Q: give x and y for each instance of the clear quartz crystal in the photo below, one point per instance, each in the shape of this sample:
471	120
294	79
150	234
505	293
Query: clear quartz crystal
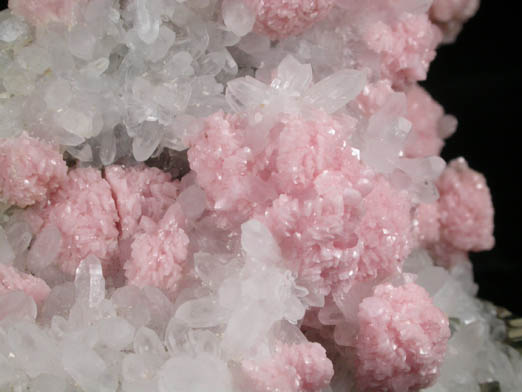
7	254
76	122
147	24
12	28
88	370
19	236
108	148
335	91
138	374
89	282
147	139
58	94
199	374
115	333
16	306
201	313
131	305
34	350
238	17
147	342
45	249
49	383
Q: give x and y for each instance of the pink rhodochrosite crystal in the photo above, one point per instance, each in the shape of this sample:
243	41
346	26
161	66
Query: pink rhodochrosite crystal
39	12
466	209
402	339
461	220
158	252
282	18
30	170
140	192
219	156
406	47
11	280
292	368
426	116
429	124
374	96
313	203
385	231
84	212
450	15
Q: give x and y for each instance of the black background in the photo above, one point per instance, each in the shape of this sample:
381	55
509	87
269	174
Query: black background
478	80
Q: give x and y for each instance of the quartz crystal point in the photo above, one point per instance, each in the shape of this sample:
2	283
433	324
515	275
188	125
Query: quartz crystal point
238	195
89	282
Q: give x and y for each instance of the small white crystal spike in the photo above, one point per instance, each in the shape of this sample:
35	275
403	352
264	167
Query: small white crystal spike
89	282
335	91
258	243
246	93
293	76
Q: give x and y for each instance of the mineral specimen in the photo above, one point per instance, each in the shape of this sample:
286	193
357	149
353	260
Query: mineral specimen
253	200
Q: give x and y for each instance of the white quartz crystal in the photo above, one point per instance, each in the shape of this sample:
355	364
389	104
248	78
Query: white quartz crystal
7	255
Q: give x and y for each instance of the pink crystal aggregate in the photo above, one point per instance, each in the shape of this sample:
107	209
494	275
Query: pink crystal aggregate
401	341
461	220
320	207
11	279
450	15
84	212
282	18
158	252
406	47
429	124
140	191
300	367
120	219
343	227
30	170
384	232
426	116
466	210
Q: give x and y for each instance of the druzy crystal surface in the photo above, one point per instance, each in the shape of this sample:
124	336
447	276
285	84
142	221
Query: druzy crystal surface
237	196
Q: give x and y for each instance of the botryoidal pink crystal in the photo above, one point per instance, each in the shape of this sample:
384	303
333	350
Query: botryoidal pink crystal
461	220
426	117
30	170
401	341
140	191
283	18
300	367
384	231
465	208
158	252
450	15
12	280
320	207
406	47
84	212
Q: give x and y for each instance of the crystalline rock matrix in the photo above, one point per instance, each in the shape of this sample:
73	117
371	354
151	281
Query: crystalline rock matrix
238	196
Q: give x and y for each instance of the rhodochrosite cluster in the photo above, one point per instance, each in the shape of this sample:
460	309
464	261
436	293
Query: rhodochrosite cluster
318	242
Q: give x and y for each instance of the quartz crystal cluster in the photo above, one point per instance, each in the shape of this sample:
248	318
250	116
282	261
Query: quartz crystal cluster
237	196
